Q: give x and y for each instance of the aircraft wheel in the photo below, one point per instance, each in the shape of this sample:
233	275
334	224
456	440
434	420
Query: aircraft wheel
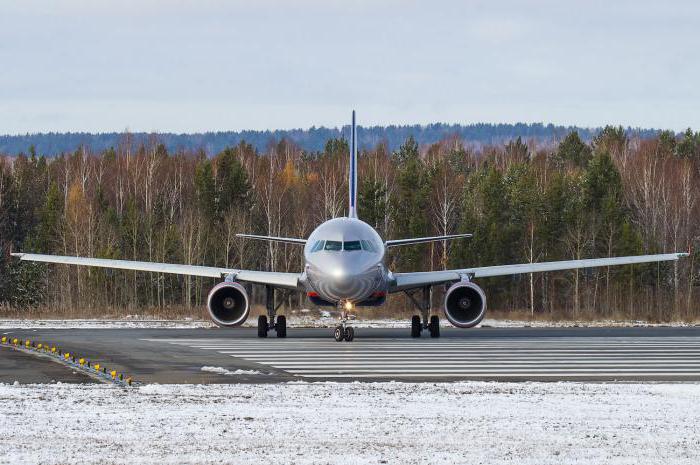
339	333
434	326
415	326
349	334
262	326
281	326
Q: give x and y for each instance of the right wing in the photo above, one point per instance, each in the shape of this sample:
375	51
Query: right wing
273	278
288	240
405	281
421	240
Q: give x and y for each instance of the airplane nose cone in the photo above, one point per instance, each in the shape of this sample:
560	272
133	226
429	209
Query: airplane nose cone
342	268
344	278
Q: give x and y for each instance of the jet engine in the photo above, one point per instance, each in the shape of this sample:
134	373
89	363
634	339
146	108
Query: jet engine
465	304
228	304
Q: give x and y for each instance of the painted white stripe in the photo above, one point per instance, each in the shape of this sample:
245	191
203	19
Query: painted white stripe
452	374
432	354
427	342
314	361
428	349
494	364
566	358
486	370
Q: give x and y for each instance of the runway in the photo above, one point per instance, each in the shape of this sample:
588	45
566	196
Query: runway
531	358
503	354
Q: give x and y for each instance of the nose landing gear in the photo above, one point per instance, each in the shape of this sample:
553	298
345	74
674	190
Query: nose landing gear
342	331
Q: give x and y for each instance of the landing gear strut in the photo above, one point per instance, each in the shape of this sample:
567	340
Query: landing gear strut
280	326
417	326
342	331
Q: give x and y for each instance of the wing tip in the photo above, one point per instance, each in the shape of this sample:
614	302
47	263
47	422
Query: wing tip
17	254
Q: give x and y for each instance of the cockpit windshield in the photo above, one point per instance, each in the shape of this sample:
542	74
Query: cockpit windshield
352	245
348	246
333	246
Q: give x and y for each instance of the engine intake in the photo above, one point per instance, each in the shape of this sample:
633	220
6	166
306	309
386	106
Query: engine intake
228	304
465	304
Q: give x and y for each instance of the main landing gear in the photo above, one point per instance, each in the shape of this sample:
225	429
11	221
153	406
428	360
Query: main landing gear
432	325
268	322
343	332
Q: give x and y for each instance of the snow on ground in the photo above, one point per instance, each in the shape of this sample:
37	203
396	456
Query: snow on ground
353	423
306	321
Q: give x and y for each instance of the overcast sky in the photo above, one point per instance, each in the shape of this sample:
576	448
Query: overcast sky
187	66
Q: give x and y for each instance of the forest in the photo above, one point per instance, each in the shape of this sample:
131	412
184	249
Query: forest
313	139
617	194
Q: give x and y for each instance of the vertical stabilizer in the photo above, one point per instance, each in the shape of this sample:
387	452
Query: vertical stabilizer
352	182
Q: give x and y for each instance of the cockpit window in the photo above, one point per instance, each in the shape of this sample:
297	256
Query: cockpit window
352	245
317	246
368	246
336	246
333	246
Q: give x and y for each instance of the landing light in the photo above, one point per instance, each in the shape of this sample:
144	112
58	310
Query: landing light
348	305
338	273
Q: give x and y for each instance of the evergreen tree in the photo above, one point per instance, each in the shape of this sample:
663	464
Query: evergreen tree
612	140
336	147
48	235
667	143
410	204
574	151
517	151
231	182
372	203
205	189
689	145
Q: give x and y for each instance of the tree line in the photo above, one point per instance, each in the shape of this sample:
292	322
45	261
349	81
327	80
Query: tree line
617	195
312	139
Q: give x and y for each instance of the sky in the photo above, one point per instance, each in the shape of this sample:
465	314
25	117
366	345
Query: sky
205	65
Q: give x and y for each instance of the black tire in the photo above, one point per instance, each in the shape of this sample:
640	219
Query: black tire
434	326
339	333
281	326
262	326
349	333
415	326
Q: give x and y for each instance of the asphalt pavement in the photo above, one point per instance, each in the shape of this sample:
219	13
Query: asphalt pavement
213	355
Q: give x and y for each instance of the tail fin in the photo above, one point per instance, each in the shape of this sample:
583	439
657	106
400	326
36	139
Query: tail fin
352	183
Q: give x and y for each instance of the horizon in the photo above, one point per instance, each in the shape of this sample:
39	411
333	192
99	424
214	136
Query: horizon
359	126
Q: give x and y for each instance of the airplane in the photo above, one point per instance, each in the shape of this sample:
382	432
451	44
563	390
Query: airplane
345	268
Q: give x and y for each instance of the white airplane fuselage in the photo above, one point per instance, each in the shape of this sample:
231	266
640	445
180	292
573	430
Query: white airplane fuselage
344	262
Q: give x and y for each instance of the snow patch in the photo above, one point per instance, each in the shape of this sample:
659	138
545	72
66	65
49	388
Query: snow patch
224	371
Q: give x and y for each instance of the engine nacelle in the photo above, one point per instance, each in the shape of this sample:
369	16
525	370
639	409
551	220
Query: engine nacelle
228	304
465	304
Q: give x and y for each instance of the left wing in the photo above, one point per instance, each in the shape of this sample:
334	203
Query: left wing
283	280
403	281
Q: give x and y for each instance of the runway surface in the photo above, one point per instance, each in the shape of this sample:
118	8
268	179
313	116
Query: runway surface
505	354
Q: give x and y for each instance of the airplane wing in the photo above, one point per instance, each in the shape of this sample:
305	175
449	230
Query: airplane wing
421	240
405	281
283	280
288	240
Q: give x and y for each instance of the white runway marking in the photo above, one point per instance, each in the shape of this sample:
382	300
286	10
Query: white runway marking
555	357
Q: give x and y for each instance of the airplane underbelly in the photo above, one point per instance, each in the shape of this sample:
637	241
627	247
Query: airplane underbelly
355	288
